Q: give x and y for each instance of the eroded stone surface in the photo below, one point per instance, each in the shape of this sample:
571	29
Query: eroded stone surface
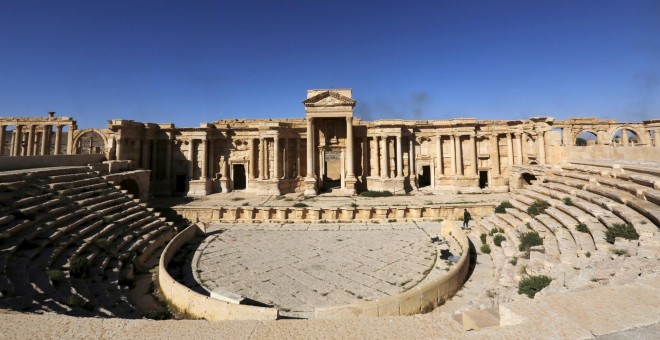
299	270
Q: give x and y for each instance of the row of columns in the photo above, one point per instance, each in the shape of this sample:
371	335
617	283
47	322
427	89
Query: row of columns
29	138
280	159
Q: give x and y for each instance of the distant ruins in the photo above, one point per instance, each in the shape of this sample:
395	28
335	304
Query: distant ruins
274	156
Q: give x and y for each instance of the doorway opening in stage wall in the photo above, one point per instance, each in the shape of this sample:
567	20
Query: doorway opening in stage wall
239	177
483	179
424	179
180	185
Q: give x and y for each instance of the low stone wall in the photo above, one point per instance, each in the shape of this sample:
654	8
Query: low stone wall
30	162
198	305
419	298
343	214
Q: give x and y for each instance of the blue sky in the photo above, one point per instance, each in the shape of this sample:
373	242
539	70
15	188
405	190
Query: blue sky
190	62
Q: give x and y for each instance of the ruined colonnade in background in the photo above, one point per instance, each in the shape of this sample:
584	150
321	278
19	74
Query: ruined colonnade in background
34	136
331	150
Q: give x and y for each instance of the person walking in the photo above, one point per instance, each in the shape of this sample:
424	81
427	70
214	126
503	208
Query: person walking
466	219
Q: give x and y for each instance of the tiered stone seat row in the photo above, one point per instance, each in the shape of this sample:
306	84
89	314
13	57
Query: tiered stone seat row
49	218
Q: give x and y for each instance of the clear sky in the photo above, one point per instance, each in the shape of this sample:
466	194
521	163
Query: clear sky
190	62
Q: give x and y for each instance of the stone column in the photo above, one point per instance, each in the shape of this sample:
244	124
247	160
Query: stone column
58	139
438	153
285	157
262	171
349	148
495	154
298	144
454	168
519	148
624	137
509	150
541	141
44	142
118	148
473	155
384	159
154	157
69	140
146	156
365	157
211	159
567	134
399	158
168	160
377	149
30	144
310	148
202	150
276	157
656	136
12	146
190	158
3	129
411	156
251	166
459	155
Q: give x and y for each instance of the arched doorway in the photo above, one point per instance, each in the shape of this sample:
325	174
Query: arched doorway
131	186
585	138
90	142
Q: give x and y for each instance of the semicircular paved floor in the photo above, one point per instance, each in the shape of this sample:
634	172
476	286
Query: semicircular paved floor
298	270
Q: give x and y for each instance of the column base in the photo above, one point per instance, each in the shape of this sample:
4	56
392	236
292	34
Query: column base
224	187
199	187
349	186
310	187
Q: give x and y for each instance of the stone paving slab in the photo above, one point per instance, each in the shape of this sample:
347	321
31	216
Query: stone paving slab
300	269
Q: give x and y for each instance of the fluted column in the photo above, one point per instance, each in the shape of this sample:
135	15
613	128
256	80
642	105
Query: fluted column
454	168
251	166
384	159
118	149
298	144
3	129
69	140
191	143
44	142
285	158
210	159
541	141
473	155
349	148
377	153
310	148
495	154
365	157
276	157
58	139
459	155
438	152
518	148
399	158
204	147
509	150
30	143
411	156
262	170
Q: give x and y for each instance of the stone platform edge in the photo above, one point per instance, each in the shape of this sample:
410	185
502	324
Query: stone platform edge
196	305
340	214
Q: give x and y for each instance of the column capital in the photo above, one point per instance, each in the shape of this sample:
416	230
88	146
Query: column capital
349	120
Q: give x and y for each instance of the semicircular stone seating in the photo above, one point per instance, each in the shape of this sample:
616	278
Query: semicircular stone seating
71	242
598	196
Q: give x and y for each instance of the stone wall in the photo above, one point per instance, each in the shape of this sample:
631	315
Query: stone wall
343	214
197	305
418	299
628	153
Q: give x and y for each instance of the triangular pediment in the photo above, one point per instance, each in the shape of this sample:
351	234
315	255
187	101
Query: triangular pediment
329	98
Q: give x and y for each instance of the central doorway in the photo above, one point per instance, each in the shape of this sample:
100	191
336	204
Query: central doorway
424	179
239	176
483	179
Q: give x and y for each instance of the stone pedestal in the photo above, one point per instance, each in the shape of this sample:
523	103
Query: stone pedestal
223	184
200	187
349	183
310	187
